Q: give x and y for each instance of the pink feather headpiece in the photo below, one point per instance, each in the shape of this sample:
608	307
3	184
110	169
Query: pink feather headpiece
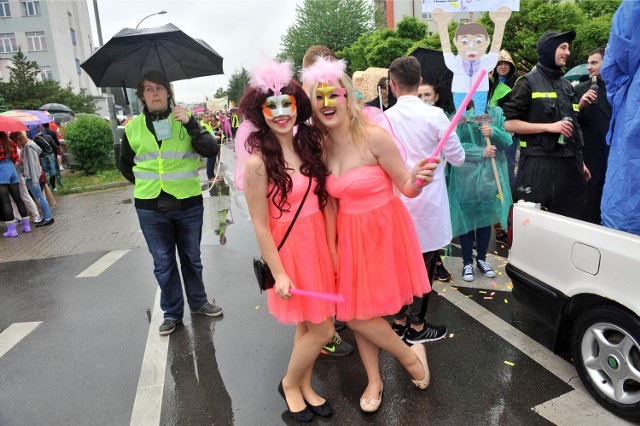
324	70
272	76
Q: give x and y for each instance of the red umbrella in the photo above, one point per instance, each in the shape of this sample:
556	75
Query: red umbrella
8	124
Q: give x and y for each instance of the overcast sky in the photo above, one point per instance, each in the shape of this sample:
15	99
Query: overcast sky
239	30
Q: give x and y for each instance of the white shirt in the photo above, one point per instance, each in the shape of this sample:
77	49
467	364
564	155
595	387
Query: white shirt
420	127
461	82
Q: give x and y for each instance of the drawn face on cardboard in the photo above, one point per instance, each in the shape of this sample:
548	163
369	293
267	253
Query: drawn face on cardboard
471	46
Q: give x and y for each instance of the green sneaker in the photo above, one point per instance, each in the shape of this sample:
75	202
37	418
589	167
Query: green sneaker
337	347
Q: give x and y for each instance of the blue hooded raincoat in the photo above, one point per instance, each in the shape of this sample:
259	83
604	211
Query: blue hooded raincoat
621	72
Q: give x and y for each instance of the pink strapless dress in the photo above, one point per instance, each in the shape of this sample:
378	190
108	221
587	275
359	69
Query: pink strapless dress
305	257
380	265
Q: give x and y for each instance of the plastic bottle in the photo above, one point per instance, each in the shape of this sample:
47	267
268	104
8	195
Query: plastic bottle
594	87
561	140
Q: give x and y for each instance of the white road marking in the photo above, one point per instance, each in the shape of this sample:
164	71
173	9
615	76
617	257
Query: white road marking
148	403
557	409
577	408
13	334
102	264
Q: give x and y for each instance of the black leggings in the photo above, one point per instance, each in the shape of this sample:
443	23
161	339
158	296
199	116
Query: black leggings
11	190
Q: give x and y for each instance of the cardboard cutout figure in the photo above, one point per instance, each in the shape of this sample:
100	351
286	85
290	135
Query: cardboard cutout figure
471	40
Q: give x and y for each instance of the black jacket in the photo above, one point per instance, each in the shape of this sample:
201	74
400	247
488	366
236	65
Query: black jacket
204	145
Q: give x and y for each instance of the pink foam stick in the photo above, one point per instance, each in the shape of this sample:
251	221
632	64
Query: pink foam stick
338	298
456	118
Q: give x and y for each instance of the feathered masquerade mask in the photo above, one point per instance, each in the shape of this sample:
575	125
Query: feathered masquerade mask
324	71
272	76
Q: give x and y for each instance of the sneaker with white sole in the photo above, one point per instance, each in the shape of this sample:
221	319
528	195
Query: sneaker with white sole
209	310
467	272
429	333
486	269
168	326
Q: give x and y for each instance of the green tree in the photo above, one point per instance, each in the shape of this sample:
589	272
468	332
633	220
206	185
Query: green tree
237	84
220	93
25	91
90	140
332	23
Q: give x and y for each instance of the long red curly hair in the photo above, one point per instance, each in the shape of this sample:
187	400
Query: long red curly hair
306	142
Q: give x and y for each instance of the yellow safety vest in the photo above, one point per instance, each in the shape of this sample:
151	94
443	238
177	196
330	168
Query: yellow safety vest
172	167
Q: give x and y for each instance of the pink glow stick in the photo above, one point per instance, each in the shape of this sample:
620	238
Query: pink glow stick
338	298
456	118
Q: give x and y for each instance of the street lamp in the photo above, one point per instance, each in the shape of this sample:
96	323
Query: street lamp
162	12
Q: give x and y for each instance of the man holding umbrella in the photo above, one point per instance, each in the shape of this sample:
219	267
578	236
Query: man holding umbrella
160	154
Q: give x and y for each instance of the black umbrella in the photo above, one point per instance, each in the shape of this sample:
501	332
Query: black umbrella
54	107
132	52
435	71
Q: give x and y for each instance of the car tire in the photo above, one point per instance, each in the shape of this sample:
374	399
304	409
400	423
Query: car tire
605	345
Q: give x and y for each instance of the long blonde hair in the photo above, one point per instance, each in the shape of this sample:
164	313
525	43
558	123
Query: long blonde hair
359	122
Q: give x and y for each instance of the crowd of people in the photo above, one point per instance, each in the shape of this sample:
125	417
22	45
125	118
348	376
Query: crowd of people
30	169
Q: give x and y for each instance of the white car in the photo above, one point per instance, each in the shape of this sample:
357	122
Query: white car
584	281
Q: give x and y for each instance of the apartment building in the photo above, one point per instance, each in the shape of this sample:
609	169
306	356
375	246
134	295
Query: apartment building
54	33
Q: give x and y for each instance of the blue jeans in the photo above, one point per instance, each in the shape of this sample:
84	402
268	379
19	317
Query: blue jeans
482	237
40	198
164	231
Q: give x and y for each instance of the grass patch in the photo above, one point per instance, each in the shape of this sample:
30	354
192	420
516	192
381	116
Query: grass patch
76	181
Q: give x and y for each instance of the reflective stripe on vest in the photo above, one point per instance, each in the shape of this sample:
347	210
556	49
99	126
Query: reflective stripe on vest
536	95
523	144
172	167
576	108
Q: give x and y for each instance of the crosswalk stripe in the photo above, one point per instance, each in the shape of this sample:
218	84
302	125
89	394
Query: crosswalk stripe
147	406
100	265
13	334
577	408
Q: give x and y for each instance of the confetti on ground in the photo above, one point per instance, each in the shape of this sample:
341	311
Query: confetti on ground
509	363
495	252
501	266
501	246
482	292
469	296
525	222
257	307
506	301
444	289
499	273
451	335
493	293
454	288
488	298
493	283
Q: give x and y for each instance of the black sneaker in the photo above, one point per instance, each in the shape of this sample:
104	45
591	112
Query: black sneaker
399	329
337	347
429	333
339	325
46	222
486	269
209	310
168	326
441	273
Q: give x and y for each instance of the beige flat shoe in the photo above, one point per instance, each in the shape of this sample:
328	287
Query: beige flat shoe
371	405
421	353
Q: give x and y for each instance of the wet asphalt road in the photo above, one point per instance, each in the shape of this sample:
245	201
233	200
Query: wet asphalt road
81	364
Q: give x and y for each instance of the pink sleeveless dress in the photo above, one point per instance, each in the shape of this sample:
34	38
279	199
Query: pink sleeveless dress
380	265
304	255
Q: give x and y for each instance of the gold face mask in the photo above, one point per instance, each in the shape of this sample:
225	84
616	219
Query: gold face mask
330	96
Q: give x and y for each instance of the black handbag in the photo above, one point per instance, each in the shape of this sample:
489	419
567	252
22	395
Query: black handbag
260	267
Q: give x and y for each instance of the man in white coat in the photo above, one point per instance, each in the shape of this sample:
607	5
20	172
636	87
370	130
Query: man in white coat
419	127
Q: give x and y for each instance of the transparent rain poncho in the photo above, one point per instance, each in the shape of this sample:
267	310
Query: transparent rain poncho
473	192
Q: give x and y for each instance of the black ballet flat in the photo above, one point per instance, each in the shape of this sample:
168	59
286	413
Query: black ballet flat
304	416
323	410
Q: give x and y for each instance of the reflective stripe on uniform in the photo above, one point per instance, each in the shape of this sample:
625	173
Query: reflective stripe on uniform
576	108
179	155
145	157
535	95
523	144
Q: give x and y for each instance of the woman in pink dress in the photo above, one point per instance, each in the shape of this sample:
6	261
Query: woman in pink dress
276	178
380	266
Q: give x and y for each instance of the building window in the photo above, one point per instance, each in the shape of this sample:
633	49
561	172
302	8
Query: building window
73	36
426	16
30	8
46	75
464	21
36	41
8	43
5	10
430	33
78	69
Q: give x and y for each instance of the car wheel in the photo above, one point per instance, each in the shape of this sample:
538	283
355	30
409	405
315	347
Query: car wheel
605	345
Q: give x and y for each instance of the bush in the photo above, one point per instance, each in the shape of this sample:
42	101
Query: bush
91	141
